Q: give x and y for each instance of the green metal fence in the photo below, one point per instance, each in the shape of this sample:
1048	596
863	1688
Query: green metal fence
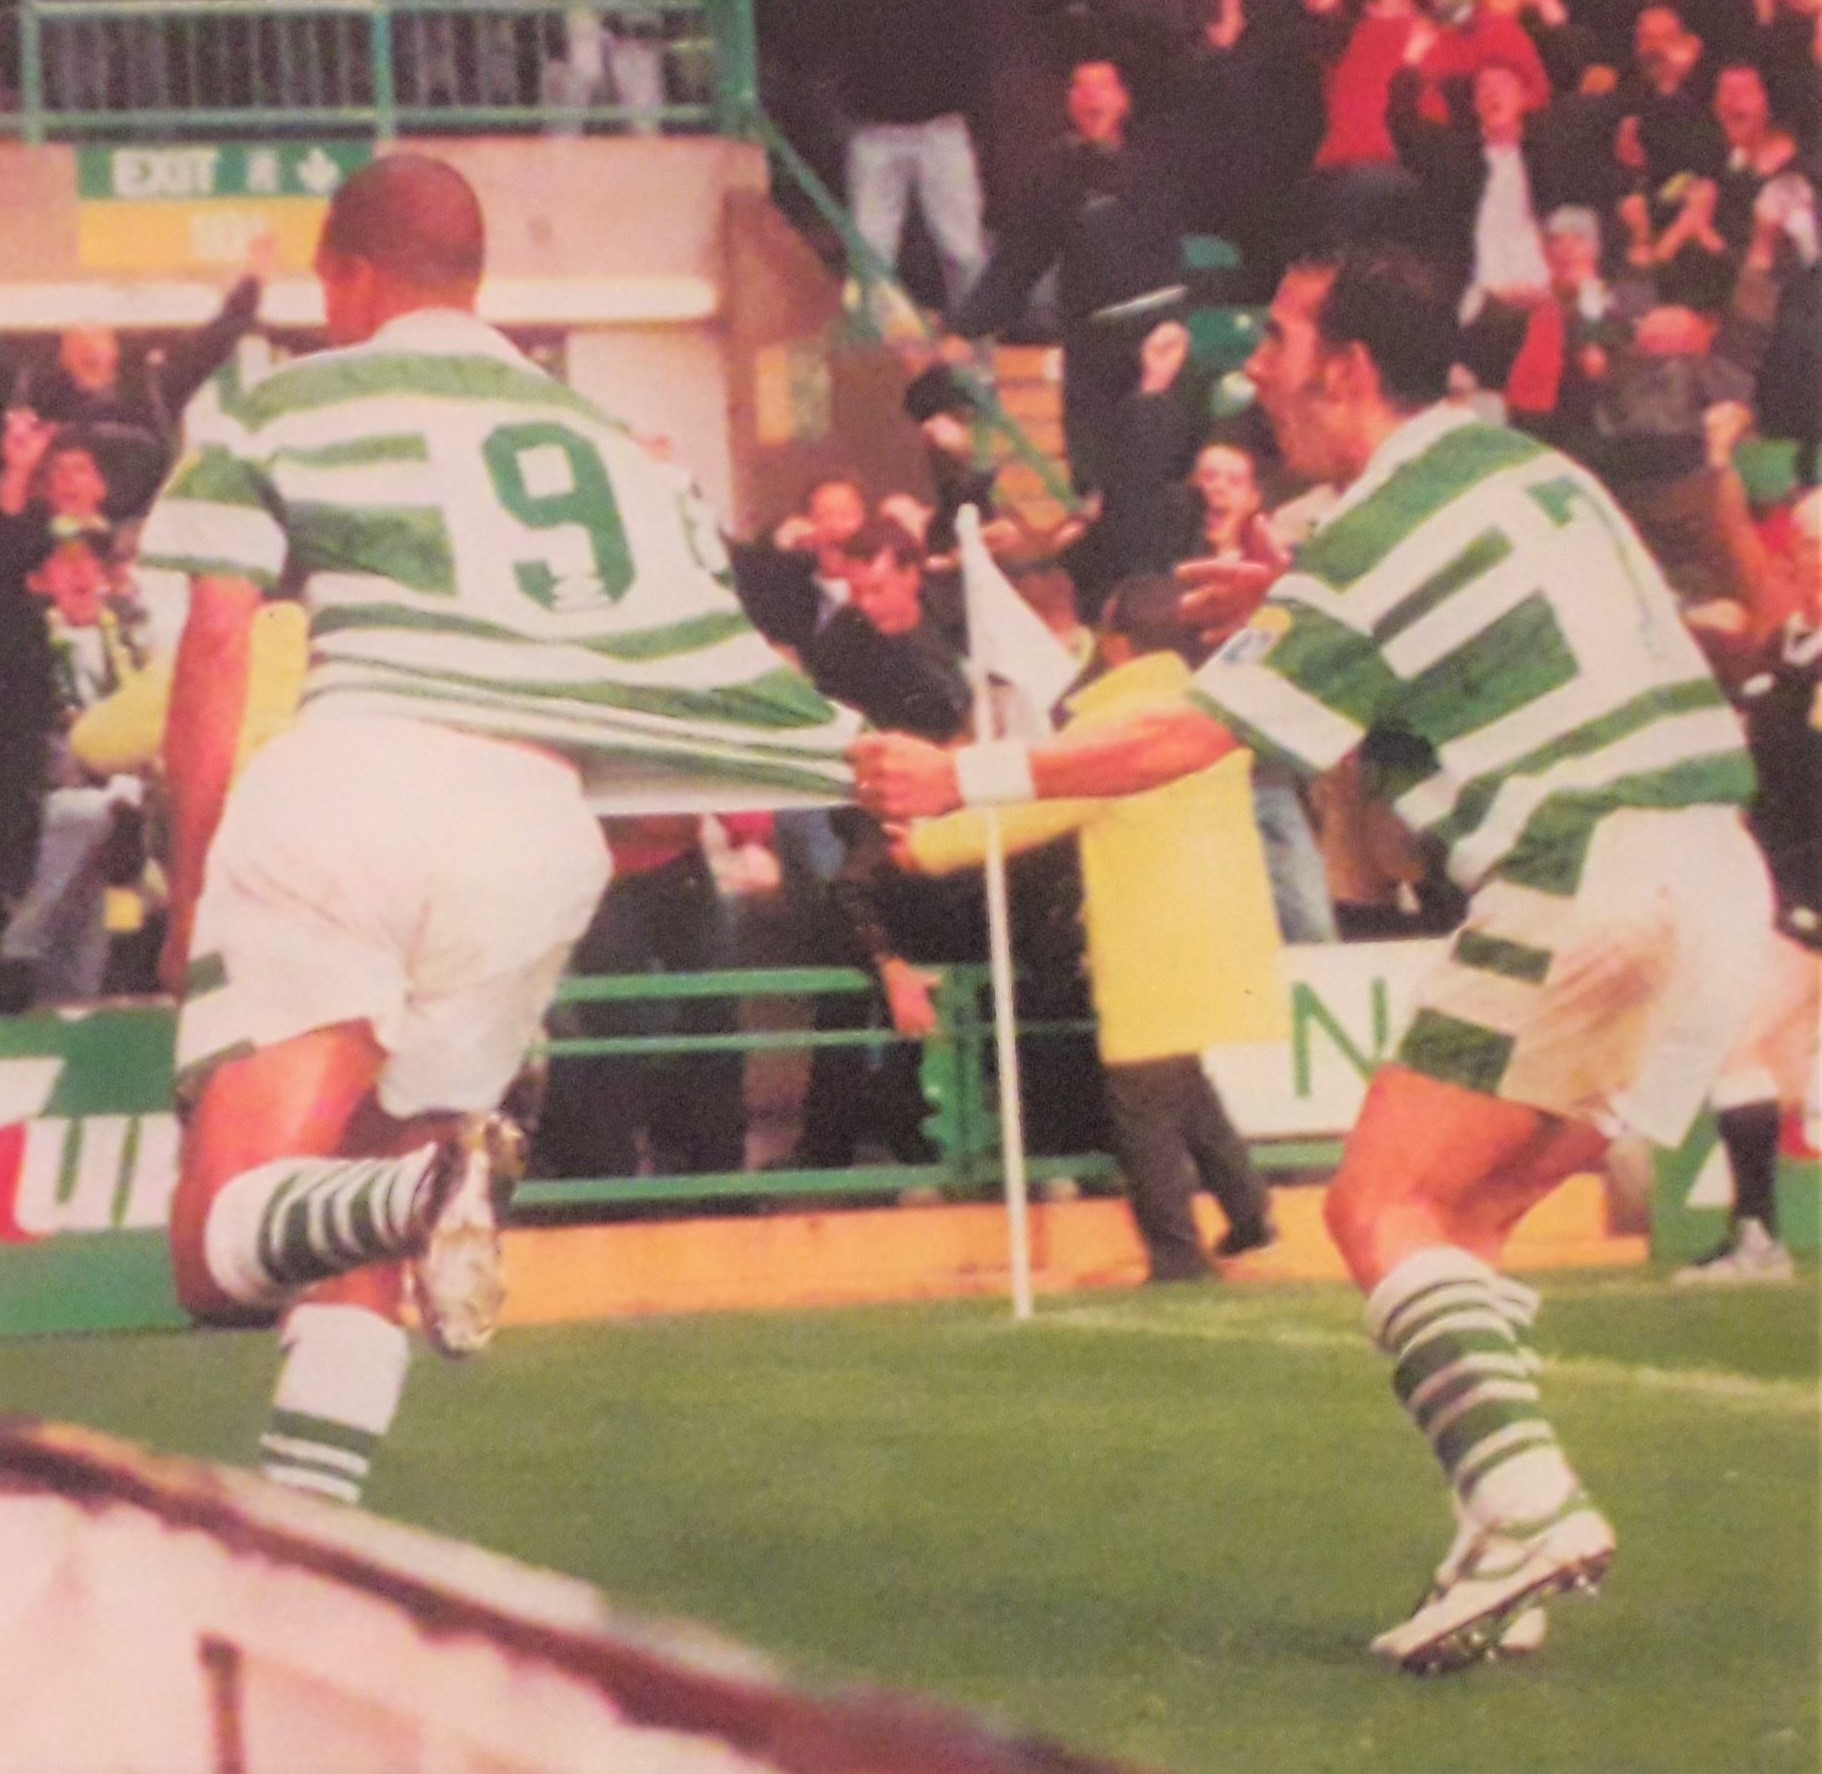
878	299
963	1122
144	69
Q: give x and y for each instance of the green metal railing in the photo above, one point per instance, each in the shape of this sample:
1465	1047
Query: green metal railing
963	1121
877	291
141	69
144	71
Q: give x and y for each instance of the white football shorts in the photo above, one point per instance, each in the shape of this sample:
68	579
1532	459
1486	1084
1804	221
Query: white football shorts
423	880
1616	1006
1776	1059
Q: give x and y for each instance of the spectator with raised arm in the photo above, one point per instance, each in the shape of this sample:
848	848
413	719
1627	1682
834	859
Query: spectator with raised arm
1485	187
1694	350
1555	384
1358	188
130	408
1104	209
58	931
1228	561
1666	138
884	656
794	580
1761	155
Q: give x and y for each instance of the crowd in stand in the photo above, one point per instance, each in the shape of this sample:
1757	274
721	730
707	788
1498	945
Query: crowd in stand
1628	199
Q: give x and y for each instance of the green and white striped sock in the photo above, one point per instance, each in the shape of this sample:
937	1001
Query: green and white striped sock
1449	1324
340	1385
283	1225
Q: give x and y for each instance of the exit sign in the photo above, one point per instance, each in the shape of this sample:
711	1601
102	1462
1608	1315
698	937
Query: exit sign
199	207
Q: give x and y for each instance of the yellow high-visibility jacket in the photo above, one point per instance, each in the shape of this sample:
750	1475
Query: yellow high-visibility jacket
1183	944
123	733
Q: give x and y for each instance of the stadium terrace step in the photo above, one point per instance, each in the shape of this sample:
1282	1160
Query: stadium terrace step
860	1256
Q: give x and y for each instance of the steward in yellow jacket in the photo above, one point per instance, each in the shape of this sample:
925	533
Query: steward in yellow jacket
1183	951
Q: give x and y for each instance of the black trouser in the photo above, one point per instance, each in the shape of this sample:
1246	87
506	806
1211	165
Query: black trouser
1171	1133
691	1105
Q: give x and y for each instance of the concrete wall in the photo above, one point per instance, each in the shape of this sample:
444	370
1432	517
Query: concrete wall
665	382
689	307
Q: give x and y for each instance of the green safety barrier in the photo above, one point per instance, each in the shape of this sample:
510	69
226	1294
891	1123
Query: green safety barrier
963	1123
1692	1187
146	69
88	1140
879	303
150	71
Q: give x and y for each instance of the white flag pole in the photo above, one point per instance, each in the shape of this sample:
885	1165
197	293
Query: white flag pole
1006	1046
999	955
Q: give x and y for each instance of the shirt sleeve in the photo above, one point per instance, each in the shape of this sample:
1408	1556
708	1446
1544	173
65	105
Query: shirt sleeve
1296	683
217	514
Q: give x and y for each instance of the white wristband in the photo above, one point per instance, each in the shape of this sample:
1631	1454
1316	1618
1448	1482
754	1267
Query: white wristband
995	774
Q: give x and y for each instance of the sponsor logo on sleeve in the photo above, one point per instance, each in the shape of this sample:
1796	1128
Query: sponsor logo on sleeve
1252	644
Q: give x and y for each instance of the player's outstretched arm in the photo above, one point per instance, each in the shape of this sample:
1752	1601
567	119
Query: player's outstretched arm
899	777
208	703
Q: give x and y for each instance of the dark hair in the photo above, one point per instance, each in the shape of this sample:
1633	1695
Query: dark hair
1145	608
937	390
1402	310
836	477
882	535
416	218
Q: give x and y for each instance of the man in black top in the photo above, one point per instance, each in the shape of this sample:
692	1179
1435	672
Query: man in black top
1774	1067
1103	208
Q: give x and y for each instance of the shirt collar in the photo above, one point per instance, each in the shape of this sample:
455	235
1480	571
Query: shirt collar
1416	435
444	329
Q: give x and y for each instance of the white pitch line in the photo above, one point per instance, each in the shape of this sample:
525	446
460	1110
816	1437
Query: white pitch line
1707	1385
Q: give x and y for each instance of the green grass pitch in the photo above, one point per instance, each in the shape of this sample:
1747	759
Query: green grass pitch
1160	1525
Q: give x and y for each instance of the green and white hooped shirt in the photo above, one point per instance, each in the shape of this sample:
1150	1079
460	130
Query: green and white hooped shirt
1479	605
479	547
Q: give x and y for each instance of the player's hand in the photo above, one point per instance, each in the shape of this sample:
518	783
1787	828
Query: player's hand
1724	426
1220	595
908	997
1162	356
899	777
1717	616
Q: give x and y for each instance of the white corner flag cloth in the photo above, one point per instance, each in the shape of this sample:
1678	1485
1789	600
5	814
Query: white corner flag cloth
1007	639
